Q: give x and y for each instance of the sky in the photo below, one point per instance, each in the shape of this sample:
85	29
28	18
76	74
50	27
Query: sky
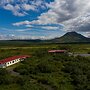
43	19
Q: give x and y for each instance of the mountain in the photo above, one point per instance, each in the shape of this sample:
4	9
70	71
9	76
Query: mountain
71	37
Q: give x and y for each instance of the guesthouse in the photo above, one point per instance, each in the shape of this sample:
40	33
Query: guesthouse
12	60
57	51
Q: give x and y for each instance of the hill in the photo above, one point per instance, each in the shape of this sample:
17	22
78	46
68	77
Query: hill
71	37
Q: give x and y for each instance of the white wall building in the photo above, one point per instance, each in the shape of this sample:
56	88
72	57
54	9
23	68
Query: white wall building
12	60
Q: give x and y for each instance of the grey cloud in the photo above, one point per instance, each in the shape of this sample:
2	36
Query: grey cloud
73	14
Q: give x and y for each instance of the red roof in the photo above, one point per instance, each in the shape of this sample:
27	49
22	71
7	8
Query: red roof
57	51
13	58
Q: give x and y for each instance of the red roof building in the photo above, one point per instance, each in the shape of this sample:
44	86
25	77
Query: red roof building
12	60
57	51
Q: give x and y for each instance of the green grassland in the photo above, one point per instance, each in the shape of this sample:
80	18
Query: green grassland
45	71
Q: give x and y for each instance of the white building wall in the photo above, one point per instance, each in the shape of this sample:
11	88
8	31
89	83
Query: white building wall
12	62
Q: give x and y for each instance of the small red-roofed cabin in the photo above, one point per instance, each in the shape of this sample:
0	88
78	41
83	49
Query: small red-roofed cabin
12	60
57	51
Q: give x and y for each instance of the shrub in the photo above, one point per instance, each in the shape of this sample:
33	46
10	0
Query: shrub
44	68
89	52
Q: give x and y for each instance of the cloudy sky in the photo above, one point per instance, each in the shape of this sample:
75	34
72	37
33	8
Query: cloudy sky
44	19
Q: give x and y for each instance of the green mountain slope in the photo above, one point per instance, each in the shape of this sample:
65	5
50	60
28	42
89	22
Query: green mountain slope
71	37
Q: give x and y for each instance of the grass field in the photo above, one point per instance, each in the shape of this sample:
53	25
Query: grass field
44	71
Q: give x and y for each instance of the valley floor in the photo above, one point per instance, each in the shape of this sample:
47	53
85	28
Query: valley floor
45	71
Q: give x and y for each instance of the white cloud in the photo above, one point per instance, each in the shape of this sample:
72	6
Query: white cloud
50	27
74	15
45	18
28	7
87	34
26	22
31	37
27	33
8	7
20	7
22	30
15	9
81	23
29	26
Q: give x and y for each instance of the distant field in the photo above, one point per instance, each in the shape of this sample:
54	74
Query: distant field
18	48
33	45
